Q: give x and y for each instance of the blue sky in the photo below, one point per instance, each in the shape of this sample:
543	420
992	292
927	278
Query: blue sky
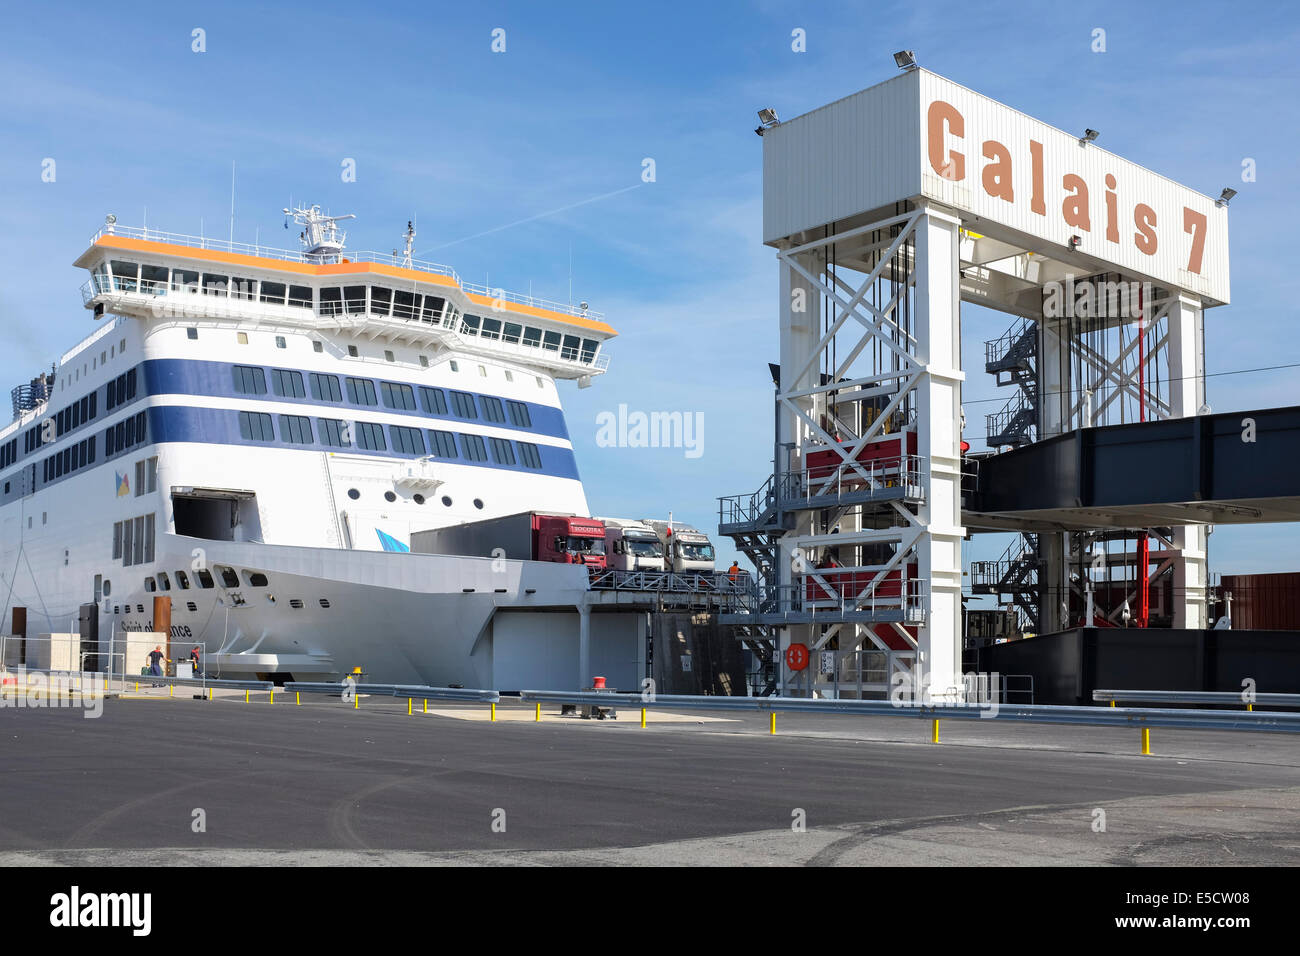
469	141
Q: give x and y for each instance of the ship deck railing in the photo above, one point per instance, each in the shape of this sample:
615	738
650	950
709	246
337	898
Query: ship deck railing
362	256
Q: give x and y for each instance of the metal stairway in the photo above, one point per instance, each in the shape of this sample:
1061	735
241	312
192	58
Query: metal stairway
1013	360
1015	575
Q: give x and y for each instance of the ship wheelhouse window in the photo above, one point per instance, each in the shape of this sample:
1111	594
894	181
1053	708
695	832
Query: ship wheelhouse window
571	347
431	311
256	426
331	300
354	298
300	295
381	300
325	388
184	280
287	383
249	380
406	305
512	332
589	347
469	324
502	452
296	429
532	336
551	341
491	328
331	432
472	447
153	279
397	395
361	391
125	275
529	456
272	292
442	444
406	441
492	410
215	284
241	288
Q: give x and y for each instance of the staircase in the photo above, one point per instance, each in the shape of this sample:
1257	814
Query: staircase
1013	360
1014	575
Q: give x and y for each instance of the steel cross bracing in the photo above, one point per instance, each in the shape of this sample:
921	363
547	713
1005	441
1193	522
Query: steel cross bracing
868	352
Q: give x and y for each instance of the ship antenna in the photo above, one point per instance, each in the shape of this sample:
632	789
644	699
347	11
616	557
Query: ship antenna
321	239
409	236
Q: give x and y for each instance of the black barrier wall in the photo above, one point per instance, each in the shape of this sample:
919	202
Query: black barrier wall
1069	665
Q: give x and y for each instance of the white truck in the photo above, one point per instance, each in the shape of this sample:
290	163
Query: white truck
632	545
687	550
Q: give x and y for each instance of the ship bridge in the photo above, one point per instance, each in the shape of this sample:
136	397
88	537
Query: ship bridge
148	274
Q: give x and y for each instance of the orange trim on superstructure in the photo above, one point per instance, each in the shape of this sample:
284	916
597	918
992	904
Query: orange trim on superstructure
336	269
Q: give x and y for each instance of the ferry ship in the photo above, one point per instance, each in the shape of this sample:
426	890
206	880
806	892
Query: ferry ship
256	433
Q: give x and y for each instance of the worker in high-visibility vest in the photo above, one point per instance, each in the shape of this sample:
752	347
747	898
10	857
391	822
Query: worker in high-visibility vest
733	572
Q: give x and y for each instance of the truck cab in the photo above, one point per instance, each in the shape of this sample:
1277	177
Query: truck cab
687	550
632	545
569	540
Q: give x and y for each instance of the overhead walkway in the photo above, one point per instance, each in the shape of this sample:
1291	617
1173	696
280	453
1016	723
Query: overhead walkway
1231	468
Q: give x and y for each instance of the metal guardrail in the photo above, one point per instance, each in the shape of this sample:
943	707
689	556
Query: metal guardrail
414	691
1194	697
1142	718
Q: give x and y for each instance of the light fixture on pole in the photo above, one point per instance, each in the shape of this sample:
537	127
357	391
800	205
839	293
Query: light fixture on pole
905	59
1089	136
1225	197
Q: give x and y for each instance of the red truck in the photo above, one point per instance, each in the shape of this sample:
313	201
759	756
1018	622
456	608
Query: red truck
527	536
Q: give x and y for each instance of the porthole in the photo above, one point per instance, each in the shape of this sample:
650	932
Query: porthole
352	351
389	496
418	499
354	494
478	503
108	587
445	500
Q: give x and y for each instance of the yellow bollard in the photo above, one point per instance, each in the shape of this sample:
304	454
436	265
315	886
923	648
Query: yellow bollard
245	695
426	705
409	704
1250	706
934	731
494	711
1112	703
1146	741
297	697
137	687
171	690
643	718
771	722
538	718
209	693
356	701
273	695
